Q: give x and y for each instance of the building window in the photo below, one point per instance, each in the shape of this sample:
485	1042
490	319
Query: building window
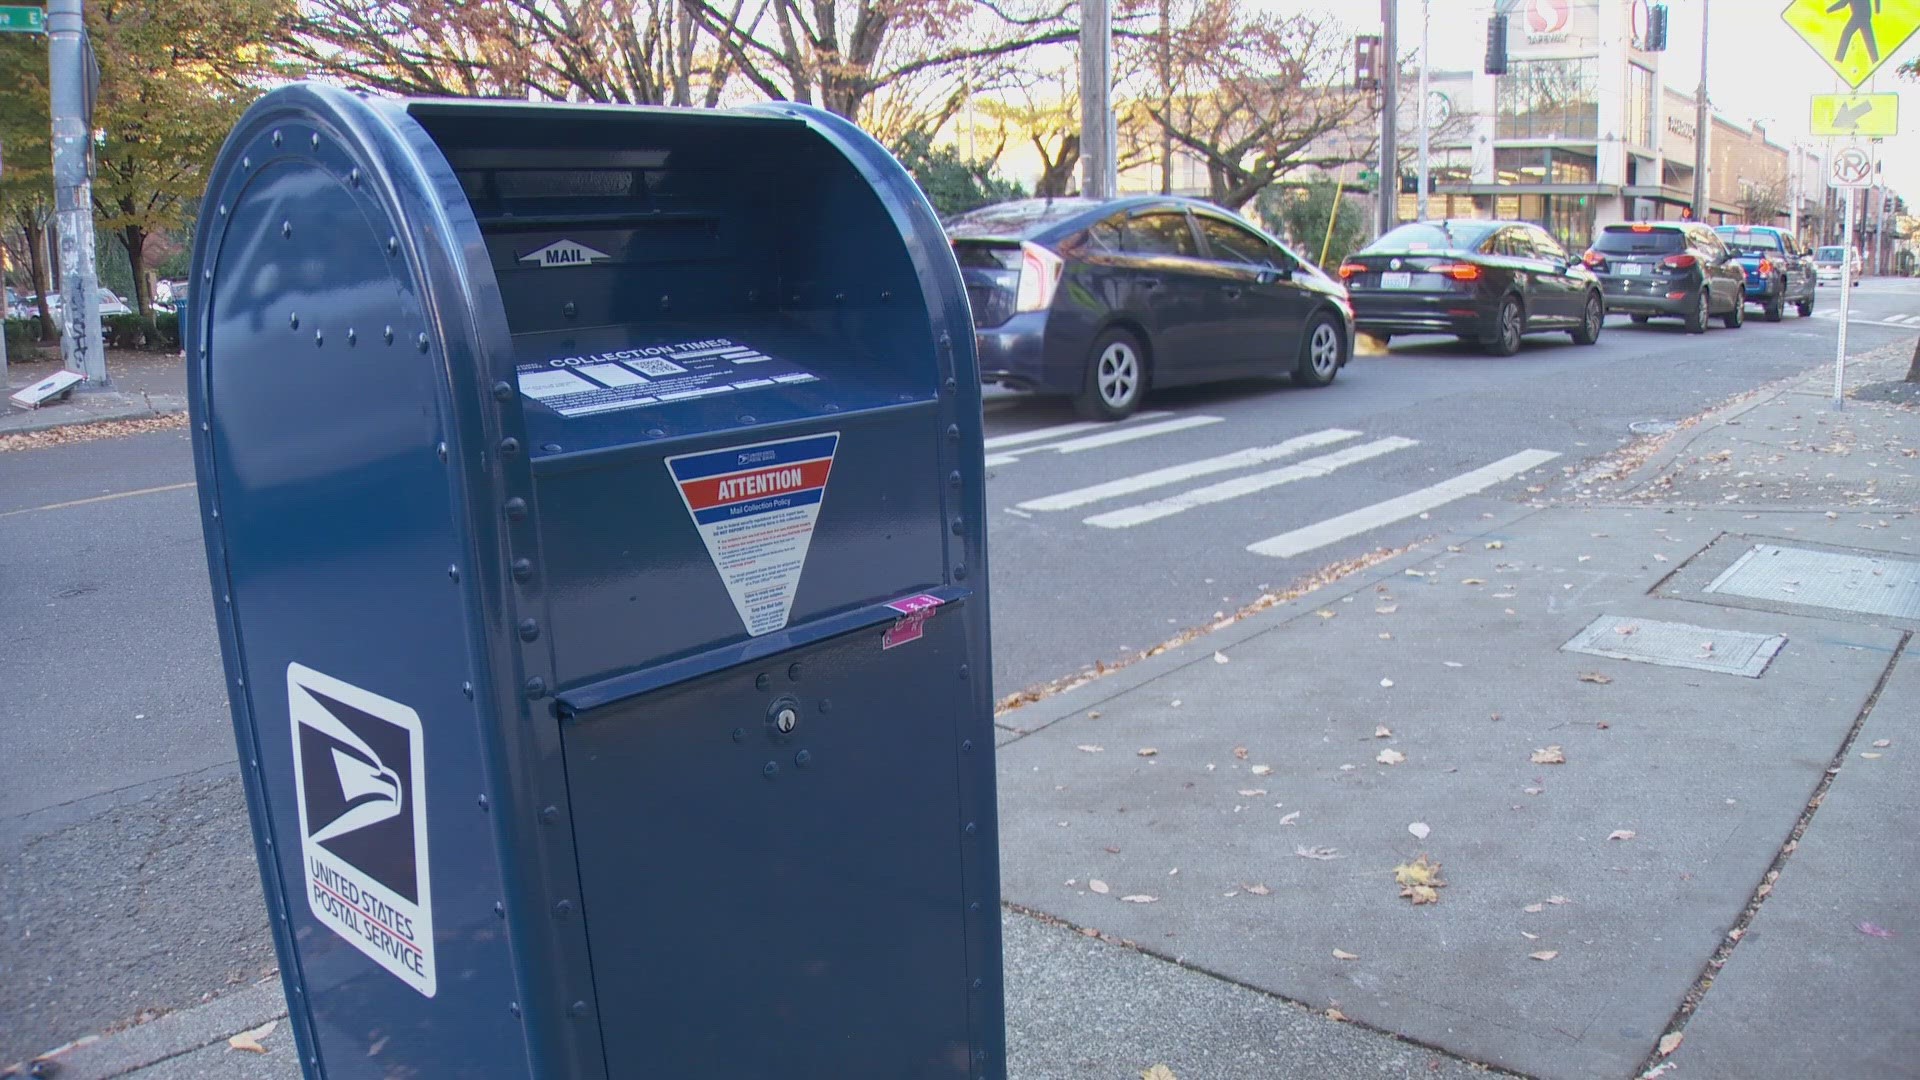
1542	165
1548	99
1639	105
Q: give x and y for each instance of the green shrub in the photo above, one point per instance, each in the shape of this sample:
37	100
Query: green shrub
23	337
133	332
168	323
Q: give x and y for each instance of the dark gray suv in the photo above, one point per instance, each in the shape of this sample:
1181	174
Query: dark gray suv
1669	268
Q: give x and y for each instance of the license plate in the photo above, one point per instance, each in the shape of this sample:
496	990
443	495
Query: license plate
1401	280
1632	269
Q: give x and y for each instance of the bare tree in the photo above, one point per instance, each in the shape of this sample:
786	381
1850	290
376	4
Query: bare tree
1761	201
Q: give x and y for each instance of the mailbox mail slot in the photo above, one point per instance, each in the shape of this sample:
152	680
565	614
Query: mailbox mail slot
593	507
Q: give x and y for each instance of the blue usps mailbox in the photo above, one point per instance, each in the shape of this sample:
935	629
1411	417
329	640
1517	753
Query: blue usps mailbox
593	503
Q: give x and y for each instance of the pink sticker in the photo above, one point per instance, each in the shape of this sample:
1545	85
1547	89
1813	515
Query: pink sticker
909	604
912	623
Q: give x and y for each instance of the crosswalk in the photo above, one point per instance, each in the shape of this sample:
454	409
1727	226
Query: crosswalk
1169	490
1900	321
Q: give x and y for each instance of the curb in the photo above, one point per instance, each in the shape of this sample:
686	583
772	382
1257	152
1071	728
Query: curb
130	412
177	1033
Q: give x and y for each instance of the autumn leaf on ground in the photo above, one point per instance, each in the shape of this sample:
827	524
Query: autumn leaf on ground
1240	752
1098	886
1494	545
1420	880
1383	732
1621	834
1342	954
1258	890
1871	930
1471	581
1158	1072
1219	658
1249	793
1882	744
1289	819
1544	954
250	1040
1336	1014
1549	755
1390	756
1595	677
1670	1042
1558	900
1261	770
1386	609
1146	751
1534	909
1326	613
1316	852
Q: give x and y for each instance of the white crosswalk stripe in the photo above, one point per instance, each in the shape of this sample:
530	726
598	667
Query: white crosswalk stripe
1312	468
1335	529
1059	431
1173	474
1112	436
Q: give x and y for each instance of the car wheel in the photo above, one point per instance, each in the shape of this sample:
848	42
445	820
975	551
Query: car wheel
1805	307
1507	330
1640	320
1116	377
1595	316
1320	352
1697	319
1775	309
1737	314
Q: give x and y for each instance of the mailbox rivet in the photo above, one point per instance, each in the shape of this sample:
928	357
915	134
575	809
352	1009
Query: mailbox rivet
502	392
746	418
786	719
761	682
666	301
453	573
467	689
206	275
499	910
654	432
314	140
293	320
886	294
956	479
352	338
536	687
974	908
286	230
839	297
551	815
276	136
421	341
965	671
569	310
825	706
803	758
551	448
223	209
393	245
953	432
577	1010
978	983
246	161
739	734
509	445
770	770
319	338
483	802
440	451
563	909
516	509
966	744
960	572
353	175
959	525
522	569
971	828
513	1009
793	672
529	629
387	332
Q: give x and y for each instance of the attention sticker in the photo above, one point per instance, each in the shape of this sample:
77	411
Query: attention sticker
755	507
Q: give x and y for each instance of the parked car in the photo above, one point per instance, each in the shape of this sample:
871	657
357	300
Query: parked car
1778	270
1490	282
1107	300
1670	268
110	304
1829	259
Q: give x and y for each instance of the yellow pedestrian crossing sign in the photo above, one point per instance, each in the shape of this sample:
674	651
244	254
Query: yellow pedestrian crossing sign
1870	116
1854	37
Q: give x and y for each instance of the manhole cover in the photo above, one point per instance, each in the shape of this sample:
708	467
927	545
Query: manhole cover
1863	584
1646	641
1652	427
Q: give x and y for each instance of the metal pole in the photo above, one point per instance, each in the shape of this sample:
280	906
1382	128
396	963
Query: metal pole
1099	175
1846	307
1702	129
1389	105
1426	179
80	345
1793	191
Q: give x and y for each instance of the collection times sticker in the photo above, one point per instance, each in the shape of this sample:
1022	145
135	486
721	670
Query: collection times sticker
360	781
755	507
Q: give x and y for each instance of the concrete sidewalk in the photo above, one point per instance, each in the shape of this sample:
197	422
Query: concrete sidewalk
144	385
1714	842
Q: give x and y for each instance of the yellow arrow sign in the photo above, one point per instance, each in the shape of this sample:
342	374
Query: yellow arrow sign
1854	37
1865	115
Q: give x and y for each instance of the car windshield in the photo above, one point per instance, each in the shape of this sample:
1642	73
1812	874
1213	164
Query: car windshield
1829	254
1015	220
1627	240
1743	240
1435	235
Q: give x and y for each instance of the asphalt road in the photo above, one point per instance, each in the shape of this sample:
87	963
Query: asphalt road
126	881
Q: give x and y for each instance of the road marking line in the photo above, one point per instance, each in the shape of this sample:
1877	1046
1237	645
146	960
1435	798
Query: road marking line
1109	437
1173	474
1128	516
98	499
1000	442
1405	506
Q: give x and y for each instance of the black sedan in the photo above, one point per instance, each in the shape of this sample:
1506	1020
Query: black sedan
1674	268
1104	300
1489	282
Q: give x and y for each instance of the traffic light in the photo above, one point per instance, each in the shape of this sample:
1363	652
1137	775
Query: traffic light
1657	28
1409	183
1497	45
1366	62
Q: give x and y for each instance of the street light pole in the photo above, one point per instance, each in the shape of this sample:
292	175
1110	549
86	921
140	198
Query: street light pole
1099	177
1389	185
80	344
1426	179
1702	128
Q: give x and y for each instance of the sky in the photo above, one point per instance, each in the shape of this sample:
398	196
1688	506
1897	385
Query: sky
1758	68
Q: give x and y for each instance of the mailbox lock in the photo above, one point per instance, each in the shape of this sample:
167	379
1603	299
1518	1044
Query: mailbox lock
784	715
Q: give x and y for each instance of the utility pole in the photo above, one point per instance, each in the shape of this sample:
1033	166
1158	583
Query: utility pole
1099	178
1702	127
69	84
1389	104
1793	189
1426	122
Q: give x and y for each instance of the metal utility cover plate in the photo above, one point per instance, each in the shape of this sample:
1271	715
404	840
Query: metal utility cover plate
1858	583
1733	652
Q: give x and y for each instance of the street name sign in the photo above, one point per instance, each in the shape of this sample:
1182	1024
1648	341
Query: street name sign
1874	116
1852	167
1854	37
18	19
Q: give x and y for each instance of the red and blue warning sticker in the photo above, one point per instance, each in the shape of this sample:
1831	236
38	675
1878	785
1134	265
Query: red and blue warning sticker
755	507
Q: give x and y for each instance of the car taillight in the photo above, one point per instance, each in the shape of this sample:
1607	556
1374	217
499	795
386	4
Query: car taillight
1766	267
1456	271
1040	272
1347	270
1678	262
1641	226
1593	258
